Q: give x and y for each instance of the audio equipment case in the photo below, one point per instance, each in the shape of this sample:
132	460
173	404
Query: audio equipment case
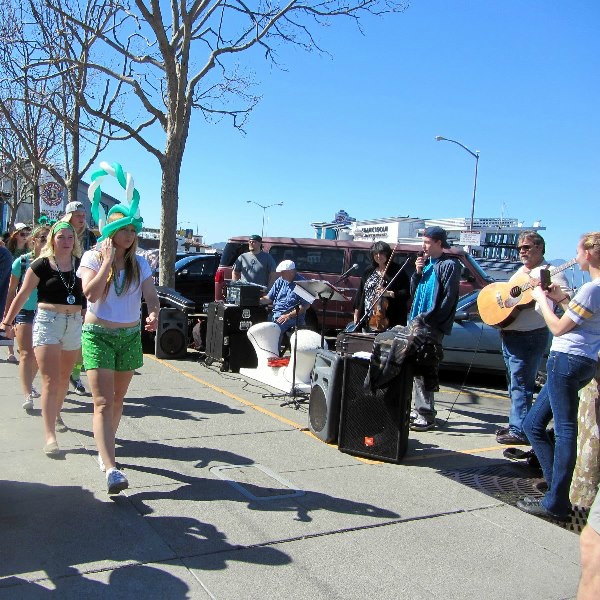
226	335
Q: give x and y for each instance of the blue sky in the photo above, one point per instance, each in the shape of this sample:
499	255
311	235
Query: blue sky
515	79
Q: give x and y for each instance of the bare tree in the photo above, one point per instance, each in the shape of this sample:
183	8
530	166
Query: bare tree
175	62
43	78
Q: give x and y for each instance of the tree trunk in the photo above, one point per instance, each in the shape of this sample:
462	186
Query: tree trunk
168	221
587	469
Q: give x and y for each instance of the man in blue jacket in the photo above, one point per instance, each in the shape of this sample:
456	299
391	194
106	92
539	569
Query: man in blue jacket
434	287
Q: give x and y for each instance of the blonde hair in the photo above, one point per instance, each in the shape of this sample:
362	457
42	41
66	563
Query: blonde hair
48	249
132	270
591	243
36	233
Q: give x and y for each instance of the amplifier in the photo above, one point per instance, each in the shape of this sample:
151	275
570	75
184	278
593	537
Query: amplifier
375	425
226	335
241	293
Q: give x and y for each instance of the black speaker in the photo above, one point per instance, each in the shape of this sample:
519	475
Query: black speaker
226	335
325	395
171	334
375	425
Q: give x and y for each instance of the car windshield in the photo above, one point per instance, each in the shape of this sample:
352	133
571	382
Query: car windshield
188	259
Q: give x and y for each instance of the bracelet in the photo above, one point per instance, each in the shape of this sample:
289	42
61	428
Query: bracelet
561	301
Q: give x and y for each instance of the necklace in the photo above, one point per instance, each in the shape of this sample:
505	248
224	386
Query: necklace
119	287
71	285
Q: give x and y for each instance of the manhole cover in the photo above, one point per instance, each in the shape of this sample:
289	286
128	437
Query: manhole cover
509	484
257	482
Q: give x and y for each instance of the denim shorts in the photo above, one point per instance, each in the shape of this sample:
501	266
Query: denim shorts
25	317
50	327
117	349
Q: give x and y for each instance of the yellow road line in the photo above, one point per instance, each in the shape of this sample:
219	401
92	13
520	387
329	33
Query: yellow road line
295	425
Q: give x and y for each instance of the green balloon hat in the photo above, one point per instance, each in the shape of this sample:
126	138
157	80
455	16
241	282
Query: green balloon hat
130	209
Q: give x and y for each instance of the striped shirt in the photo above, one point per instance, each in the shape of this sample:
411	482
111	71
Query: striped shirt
584	310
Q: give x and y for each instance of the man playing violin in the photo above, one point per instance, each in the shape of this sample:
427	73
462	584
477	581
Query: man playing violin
434	287
525	339
385	310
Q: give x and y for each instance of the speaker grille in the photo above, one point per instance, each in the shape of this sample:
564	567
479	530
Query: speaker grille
374	424
317	408
172	342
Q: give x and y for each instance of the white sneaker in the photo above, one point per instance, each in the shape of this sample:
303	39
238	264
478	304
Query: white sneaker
116	481
101	463
34	393
28	403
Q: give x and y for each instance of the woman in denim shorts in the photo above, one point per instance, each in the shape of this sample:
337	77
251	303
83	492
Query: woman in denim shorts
24	320
114	280
57	323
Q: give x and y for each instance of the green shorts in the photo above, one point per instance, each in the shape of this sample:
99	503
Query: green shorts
116	349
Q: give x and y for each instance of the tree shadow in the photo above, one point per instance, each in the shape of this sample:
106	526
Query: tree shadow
63	531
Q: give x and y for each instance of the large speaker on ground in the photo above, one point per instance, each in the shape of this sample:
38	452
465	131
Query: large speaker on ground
375	425
226	335
171	333
325	395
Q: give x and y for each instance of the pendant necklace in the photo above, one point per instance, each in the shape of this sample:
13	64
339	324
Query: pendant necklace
70	296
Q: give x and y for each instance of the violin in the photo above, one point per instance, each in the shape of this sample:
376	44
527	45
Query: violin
379	320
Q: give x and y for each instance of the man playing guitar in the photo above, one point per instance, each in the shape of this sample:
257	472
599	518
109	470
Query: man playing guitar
525	339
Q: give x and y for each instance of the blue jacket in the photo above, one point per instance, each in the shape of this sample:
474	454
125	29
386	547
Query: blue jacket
447	281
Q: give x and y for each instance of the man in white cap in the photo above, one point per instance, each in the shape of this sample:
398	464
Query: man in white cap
75	214
287	305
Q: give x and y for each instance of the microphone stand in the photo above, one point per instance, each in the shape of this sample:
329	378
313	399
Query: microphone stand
376	300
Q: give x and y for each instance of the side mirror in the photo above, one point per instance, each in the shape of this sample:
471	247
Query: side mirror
183	273
461	315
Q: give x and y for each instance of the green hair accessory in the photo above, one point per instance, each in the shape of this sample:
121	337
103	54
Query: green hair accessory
130	210
61	225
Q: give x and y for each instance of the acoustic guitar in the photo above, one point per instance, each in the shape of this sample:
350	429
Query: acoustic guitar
499	303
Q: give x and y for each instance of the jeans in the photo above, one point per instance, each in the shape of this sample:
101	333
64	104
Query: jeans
559	399
523	352
424	400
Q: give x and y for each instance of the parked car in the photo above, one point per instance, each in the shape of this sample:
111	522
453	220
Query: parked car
328	260
195	277
475	345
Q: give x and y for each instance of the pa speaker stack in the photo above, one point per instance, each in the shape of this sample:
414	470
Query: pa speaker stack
375	425
325	395
171	334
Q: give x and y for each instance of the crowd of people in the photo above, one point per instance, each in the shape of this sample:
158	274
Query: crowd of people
70	295
73	300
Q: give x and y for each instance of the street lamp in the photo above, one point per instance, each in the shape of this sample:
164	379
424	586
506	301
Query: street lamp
262	231
475	154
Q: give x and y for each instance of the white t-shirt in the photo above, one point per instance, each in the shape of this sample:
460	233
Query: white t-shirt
118	309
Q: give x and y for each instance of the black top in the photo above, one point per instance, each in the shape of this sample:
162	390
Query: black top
397	310
54	290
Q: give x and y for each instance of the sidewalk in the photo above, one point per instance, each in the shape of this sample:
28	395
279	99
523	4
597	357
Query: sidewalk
230	498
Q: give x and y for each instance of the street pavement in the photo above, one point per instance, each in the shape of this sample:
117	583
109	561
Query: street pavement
231	497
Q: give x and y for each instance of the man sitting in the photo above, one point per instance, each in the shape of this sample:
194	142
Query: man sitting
288	307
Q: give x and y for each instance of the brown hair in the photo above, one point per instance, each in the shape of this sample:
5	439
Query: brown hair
534	236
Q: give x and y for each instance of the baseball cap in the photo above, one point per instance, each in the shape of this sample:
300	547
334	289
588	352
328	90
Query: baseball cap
73	206
437	233
20	226
286	265
255	238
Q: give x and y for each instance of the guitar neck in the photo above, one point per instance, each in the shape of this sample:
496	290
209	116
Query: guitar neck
553	271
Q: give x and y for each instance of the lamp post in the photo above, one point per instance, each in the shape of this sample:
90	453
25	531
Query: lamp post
262	231
475	154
